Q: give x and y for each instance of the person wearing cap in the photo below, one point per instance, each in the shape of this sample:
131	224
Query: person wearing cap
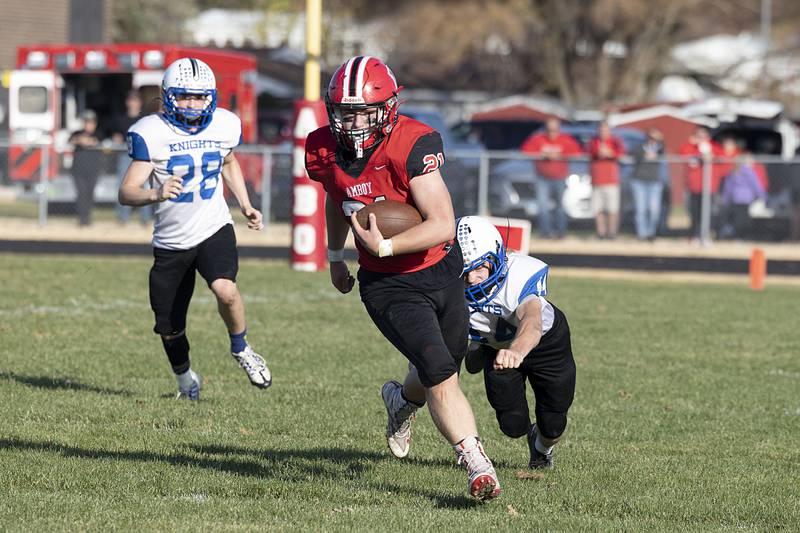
85	165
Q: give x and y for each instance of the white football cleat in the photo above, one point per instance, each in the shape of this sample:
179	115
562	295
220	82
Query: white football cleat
483	483
193	392
254	365
400	414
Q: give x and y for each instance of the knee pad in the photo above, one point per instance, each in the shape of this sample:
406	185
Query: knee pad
514	423
551	425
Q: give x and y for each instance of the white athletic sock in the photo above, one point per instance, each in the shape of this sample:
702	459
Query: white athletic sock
467	443
185	379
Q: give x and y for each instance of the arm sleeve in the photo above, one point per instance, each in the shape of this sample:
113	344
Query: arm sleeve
137	147
536	285
426	155
532	145
527	277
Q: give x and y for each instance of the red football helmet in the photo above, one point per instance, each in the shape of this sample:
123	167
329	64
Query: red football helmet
364	85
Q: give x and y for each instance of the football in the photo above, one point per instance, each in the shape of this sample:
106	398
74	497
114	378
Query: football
392	217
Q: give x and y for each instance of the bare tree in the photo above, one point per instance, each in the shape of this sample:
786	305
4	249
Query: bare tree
152	20
586	52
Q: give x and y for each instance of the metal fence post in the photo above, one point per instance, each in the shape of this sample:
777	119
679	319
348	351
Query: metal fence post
43	184
705	204
266	185
483	185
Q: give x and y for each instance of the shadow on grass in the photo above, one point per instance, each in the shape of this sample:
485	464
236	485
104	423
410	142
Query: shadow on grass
43	382
295	466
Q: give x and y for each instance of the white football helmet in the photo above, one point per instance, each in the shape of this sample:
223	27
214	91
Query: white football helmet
189	76
481	243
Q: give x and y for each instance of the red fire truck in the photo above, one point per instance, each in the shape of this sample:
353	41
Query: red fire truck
54	84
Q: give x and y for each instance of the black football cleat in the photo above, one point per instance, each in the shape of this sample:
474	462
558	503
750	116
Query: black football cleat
539	460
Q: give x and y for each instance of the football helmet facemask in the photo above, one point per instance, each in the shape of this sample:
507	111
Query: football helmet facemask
189	76
481	243
365	86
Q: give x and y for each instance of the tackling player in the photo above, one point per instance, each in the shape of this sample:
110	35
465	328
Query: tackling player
184	150
519	336
410	284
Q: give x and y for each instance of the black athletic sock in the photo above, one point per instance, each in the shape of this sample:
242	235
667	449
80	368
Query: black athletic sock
178	353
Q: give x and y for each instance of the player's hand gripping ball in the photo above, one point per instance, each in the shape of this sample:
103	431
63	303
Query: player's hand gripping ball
391	216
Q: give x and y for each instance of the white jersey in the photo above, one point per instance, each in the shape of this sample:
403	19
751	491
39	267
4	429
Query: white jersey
201	210
495	322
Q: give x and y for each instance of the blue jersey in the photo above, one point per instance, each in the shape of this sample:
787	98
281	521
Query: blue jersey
201	210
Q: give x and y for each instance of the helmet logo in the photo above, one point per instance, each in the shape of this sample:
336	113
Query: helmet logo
362	83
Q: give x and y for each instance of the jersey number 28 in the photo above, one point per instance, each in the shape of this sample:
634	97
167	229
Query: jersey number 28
183	166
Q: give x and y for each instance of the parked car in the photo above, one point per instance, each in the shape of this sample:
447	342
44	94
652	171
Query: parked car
512	183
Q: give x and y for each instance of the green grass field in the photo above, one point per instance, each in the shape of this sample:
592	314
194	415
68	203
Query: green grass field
686	416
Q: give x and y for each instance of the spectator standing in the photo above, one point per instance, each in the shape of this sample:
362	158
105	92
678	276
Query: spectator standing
605	151
133	112
740	189
85	165
696	149
649	177
725	162
553	150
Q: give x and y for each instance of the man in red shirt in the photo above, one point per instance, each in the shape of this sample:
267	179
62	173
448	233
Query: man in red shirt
605	151
410	284
698	147
552	150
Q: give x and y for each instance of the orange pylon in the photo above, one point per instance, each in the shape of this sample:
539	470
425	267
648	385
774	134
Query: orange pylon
758	269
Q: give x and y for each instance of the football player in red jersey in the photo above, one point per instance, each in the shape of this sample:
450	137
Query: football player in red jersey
410	284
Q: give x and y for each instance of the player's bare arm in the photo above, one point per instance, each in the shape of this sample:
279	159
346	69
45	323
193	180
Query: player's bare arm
132	193
234	178
529	333
432	199
337	229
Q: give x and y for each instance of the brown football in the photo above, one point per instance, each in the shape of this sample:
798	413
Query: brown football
392	217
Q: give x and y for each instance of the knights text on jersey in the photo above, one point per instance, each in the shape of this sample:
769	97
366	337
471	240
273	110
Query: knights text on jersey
410	150
495	323
201	210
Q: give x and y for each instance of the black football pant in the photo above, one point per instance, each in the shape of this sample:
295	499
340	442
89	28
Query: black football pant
430	328
550	369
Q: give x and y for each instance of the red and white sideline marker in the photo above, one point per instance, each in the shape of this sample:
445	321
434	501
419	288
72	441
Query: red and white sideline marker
516	233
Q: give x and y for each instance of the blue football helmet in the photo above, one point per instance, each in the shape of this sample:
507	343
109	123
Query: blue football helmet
189	76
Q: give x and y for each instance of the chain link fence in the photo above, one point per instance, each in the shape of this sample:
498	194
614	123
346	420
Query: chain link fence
38	183
728	206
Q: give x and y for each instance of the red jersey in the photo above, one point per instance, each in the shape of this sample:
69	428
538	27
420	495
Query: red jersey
694	168
411	149
563	145
605	169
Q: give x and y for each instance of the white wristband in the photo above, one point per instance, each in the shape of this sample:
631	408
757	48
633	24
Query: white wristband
335	256
385	248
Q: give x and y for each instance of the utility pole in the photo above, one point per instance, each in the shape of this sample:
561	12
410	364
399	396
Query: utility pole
766	27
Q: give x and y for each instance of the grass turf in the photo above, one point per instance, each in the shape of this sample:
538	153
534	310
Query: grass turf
686	415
